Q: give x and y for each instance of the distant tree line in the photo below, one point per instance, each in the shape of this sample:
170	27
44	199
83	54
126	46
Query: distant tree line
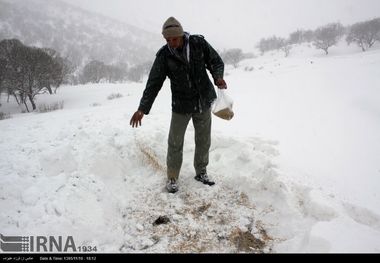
364	34
96	71
28	71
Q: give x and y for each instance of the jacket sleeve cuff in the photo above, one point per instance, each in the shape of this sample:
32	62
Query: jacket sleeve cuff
216	78
144	110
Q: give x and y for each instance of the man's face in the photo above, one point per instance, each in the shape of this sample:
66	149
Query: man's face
175	42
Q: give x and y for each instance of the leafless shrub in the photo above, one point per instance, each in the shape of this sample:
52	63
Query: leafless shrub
51	107
4	115
114	96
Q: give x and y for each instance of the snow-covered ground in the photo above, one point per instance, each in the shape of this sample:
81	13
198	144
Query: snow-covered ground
297	169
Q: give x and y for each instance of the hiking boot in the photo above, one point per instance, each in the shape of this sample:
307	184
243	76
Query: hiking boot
203	177
172	186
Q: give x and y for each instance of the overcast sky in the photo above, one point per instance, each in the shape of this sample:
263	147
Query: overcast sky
235	23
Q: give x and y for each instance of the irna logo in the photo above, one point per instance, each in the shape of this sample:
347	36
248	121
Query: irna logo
37	244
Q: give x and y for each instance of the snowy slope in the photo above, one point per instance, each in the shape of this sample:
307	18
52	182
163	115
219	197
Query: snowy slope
78	35
297	169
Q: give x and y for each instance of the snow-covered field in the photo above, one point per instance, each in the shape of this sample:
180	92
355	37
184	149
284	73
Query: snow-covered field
297	169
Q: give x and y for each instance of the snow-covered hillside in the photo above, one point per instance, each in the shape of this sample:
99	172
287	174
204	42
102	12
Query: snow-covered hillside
78	35
297	169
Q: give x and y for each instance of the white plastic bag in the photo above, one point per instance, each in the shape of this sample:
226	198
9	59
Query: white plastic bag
222	106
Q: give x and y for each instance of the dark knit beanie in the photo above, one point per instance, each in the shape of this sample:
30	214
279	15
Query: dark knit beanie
172	28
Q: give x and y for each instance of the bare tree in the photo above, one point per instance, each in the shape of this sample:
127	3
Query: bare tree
27	72
93	72
268	44
37	69
301	36
115	73
308	36
59	69
364	34
137	72
13	77
296	37
2	73
232	56
328	36
285	46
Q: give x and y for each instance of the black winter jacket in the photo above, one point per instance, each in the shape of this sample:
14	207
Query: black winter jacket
192	90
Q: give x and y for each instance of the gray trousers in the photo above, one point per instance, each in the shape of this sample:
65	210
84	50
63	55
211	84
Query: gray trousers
202	128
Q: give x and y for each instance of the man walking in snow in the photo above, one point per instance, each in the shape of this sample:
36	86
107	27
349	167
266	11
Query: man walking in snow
184	60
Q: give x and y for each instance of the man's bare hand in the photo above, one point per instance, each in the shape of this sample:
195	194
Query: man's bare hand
221	84
136	119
